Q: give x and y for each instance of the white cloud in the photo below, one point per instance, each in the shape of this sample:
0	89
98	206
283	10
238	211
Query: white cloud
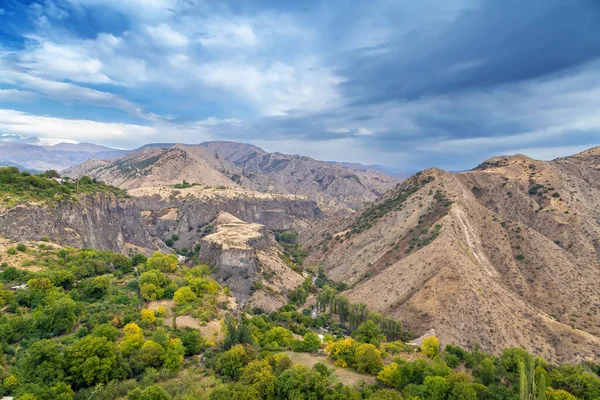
164	35
15	95
276	88
222	33
50	129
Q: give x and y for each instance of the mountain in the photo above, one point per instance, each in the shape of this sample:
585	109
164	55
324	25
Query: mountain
57	157
335	189
507	254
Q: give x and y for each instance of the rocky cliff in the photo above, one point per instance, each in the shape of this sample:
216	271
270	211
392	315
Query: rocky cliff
99	221
189	212
246	258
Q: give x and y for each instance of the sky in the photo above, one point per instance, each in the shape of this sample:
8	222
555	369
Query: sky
410	84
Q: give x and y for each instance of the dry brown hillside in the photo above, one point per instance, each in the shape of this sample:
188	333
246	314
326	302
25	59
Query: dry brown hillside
504	255
335	189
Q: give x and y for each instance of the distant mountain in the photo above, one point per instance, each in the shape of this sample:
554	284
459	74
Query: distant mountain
334	188
58	157
396	172
505	255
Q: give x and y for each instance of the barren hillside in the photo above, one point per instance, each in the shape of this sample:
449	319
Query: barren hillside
504	255
335	189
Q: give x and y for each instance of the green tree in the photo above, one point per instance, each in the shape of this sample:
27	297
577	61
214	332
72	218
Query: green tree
162	262
436	387
369	332
43	363
91	360
152	354
462	391
487	371
368	359
235	391
277	337
153	392
299	382
260	376
229	365
57	316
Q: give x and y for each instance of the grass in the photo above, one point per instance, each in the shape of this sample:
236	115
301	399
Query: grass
22	187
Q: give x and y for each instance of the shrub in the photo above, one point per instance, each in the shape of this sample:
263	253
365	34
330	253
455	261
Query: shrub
11	251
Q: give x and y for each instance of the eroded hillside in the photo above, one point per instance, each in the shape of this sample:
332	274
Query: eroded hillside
504	255
335	189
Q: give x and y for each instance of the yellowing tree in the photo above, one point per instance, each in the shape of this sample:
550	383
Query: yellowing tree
133	340
162	262
147	316
386	375
184	295
343	352
430	346
368	358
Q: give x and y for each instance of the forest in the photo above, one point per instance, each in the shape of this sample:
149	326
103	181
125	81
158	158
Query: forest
88	324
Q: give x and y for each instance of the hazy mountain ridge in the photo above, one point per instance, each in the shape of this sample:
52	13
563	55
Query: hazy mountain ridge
511	244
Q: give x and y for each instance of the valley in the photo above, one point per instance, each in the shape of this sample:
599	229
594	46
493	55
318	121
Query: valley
212	242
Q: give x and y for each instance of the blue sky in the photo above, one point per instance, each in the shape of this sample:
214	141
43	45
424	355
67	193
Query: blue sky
410	84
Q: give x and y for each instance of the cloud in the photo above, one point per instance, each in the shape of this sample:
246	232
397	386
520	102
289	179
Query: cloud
81	130
164	35
412	83
15	95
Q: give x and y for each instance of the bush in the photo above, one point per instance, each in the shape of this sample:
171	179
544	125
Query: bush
12	251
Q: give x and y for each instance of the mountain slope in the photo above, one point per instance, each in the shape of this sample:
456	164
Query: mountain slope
57	157
504	255
334	188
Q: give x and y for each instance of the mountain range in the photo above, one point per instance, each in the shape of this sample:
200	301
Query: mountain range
506	254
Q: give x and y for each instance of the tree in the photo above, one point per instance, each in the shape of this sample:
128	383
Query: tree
277	337
462	391
133	340
152	354
43	363
260	376
235	391
184	295
192	342
311	343
436	387
386	394
153	392
487	371
162	262
299	382
229	365
58	316
147	316
107	331
368	359
368	332
559	395
91	360
430	346
343	352
174	355
388	375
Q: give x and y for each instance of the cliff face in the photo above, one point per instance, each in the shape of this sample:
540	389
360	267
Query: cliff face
98	221
187	212
246	259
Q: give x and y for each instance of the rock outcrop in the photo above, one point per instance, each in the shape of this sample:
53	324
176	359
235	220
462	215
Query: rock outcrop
189	212
100	221
246	259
